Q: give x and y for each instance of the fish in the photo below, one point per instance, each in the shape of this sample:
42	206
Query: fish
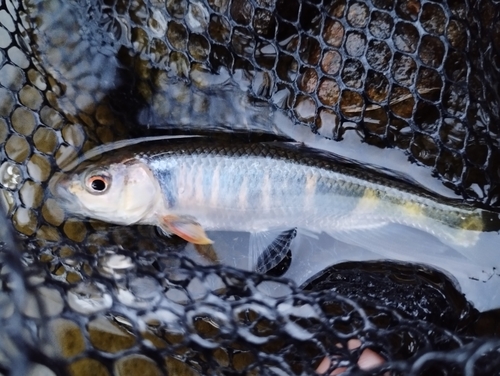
188	187
255	187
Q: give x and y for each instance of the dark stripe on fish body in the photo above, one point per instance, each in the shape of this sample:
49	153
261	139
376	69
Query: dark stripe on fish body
207	182
276	181
289	180
255	188
230	182
169	181
299	181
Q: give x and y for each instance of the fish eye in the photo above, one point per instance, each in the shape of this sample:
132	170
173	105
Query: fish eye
97	183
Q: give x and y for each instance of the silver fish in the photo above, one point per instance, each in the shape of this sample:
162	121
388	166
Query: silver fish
187	187
192	186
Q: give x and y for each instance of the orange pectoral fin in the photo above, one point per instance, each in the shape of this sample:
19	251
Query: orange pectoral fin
186	228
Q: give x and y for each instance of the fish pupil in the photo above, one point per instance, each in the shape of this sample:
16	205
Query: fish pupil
98	185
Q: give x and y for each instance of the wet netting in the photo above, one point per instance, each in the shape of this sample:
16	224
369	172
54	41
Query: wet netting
87	298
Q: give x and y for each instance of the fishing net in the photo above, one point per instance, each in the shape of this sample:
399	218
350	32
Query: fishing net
87	298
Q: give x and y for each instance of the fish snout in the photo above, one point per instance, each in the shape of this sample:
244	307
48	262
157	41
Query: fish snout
59	188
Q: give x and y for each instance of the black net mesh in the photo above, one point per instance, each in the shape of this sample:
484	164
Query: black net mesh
86	298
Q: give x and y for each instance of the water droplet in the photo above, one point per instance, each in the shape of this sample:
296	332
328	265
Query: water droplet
10	175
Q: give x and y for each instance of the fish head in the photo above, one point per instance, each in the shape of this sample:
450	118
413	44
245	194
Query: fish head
121	193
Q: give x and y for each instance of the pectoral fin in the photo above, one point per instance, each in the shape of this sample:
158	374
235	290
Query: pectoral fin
186	228
275	252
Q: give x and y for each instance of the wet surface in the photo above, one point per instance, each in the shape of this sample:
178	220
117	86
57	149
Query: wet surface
418	76
417	291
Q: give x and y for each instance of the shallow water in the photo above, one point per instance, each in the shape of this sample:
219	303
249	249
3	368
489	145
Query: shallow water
313	253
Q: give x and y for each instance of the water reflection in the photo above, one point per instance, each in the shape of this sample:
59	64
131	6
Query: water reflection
312	254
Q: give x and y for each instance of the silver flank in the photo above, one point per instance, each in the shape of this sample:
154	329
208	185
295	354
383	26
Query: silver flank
257	193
